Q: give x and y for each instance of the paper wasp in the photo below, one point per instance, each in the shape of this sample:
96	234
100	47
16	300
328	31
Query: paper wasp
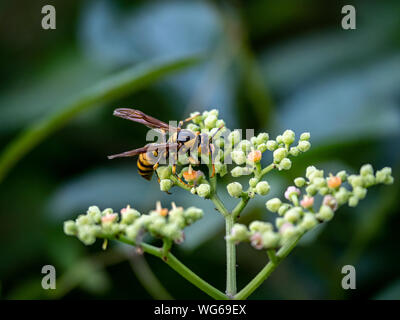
180	140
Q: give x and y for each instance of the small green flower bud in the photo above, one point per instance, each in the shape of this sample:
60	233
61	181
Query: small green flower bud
299	182
107	211
366	169
260	226
271	145
292	215
262	138
323	191
283	208
319	182
274	204
237	172
129	215
304	145
287	230
87	234
234	137
310	170
342	175
164	172
325	213
360	192
279	139
353	201
294	151
245	146
221	169
384	176
203	190
235	189
239	233
280	154
368	180
210	121
132	231
166	184
308	221
305	136
342	196
262	147
270	239
288	137
171	231
239	157
197	119
220	123
316	174
193	127
70	228
285	164
214	112
94	213
262	188
83	220
192	214
253	182
279	222
311	190
355	181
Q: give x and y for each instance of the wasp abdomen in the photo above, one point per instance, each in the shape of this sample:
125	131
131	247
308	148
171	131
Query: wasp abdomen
145	166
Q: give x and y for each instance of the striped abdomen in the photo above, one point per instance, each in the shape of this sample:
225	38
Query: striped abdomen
145	166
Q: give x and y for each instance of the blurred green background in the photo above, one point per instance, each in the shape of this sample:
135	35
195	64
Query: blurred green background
268	65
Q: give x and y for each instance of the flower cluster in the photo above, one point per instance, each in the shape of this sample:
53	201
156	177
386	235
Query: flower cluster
298	214
107	224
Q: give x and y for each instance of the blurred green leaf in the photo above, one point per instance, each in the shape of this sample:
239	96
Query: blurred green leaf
391	292
107	90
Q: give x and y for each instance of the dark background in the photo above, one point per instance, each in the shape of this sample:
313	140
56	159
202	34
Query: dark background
268	65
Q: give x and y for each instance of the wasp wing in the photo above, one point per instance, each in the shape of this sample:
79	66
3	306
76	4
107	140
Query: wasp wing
139	116
160	147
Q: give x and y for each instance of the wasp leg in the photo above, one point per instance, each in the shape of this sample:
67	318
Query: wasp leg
187	120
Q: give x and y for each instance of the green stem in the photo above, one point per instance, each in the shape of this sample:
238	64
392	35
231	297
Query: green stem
268	269
179	267
230	258
219	205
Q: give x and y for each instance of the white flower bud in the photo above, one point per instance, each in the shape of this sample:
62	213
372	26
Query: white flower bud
87	234
311	190
237	172
355	181
172	231
285	164
193	190
325	213
235	189
262	188
288	137
279	139
203	190
304	146
279	222
319	182
299	182
221	169
279	154
274	204
271	145
192	214
342	175
220	123
128	215
166	184
83	220
239	157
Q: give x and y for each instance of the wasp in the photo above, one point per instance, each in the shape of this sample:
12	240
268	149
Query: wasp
180	140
